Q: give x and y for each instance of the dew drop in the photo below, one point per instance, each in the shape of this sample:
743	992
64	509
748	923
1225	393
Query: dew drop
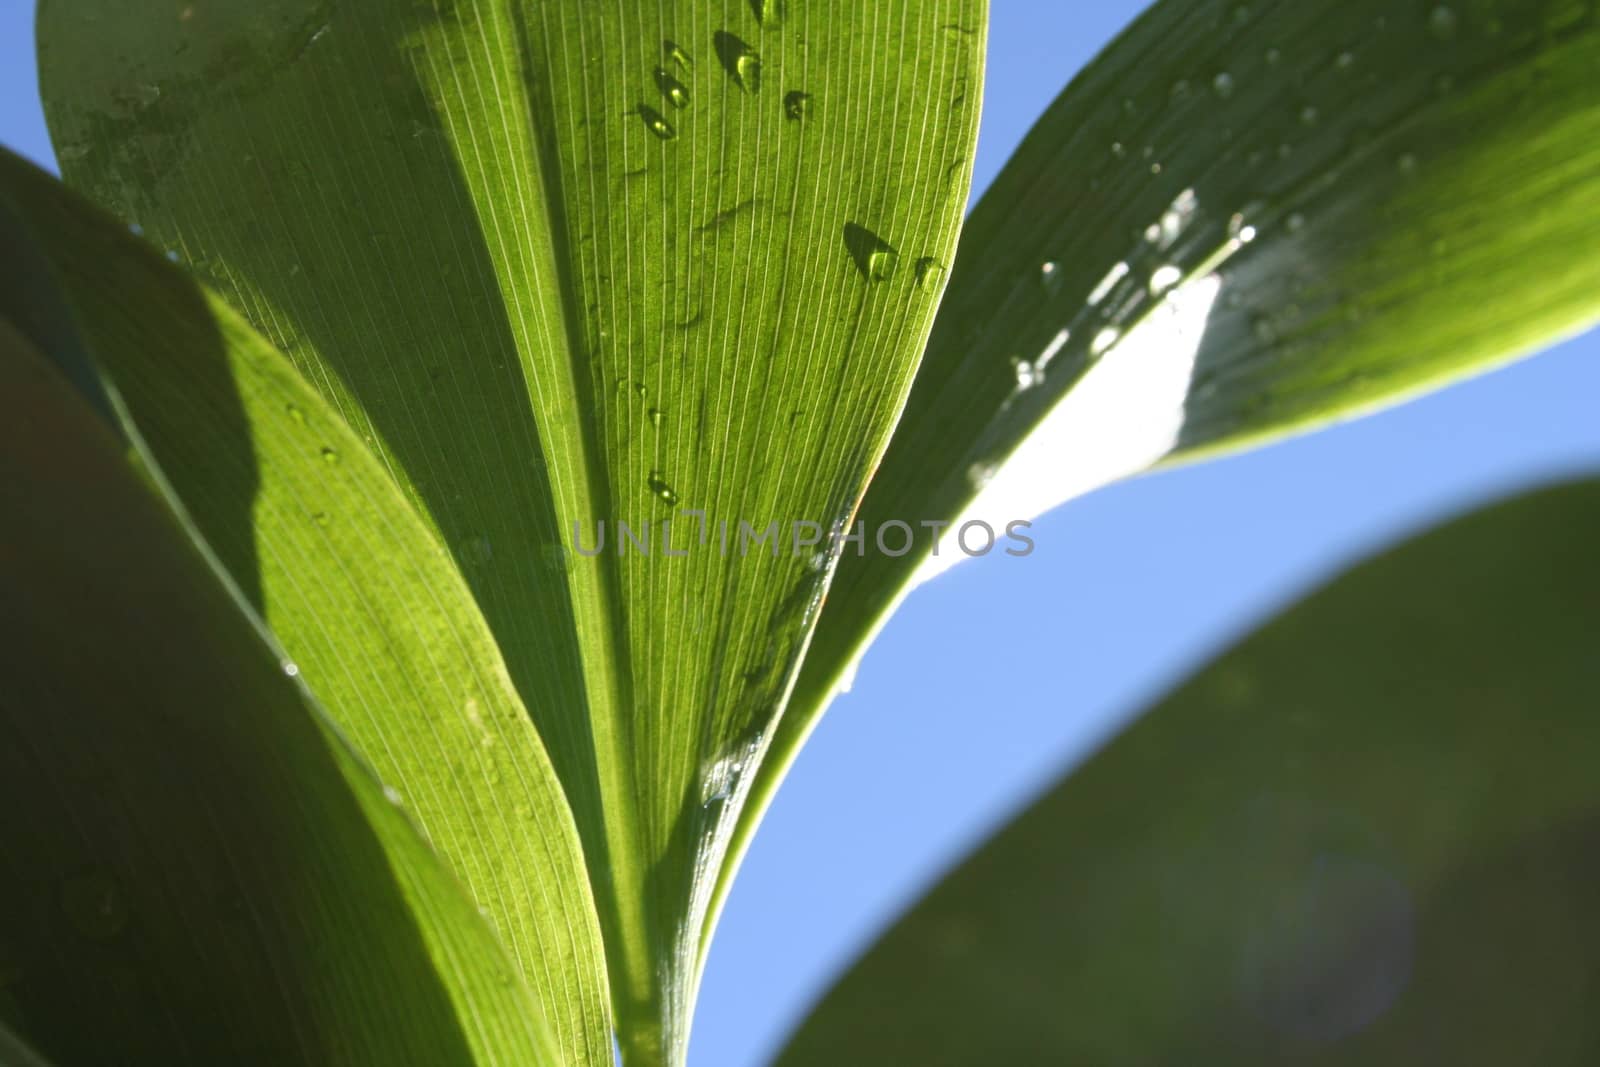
741	61
392	795
769	13
1273	57
661	489
291	669
641	390
320	518
1108	283
880	264
1176	218
930	272
1104	340
677	56
172	255
1027	374
1309	115
1164	278
294	413
94	906
796	105
657	123
747	70
657	416
1050	276
1345	60
329	455
675	91
1222	85
874	257
1117	150
1240	231
1442	22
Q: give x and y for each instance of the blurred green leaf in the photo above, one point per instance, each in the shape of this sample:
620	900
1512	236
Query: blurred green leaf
562	264
196	868
379	623
1241	220
1370	834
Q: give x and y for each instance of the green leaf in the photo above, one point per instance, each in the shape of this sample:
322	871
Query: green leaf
379	622
1248	218
549	295
1367	835
196	868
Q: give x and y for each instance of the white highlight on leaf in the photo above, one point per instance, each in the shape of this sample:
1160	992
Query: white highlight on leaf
1121	418
1108	283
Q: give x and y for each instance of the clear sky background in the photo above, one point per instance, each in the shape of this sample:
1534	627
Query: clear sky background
994	679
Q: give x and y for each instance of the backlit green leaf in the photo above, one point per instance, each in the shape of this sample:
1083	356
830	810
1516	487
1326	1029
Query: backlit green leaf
196	868
379	622
566	263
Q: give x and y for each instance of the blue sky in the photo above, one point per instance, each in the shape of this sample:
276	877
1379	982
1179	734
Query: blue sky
995	678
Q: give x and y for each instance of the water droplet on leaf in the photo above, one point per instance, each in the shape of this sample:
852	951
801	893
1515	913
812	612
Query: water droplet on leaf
1050	277
675	91
769	13
657	123
1164	278
329	455
875	258
661	489
796	105
742	62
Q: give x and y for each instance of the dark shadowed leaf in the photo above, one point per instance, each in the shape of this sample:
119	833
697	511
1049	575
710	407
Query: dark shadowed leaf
1370	834
377	619
196	868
